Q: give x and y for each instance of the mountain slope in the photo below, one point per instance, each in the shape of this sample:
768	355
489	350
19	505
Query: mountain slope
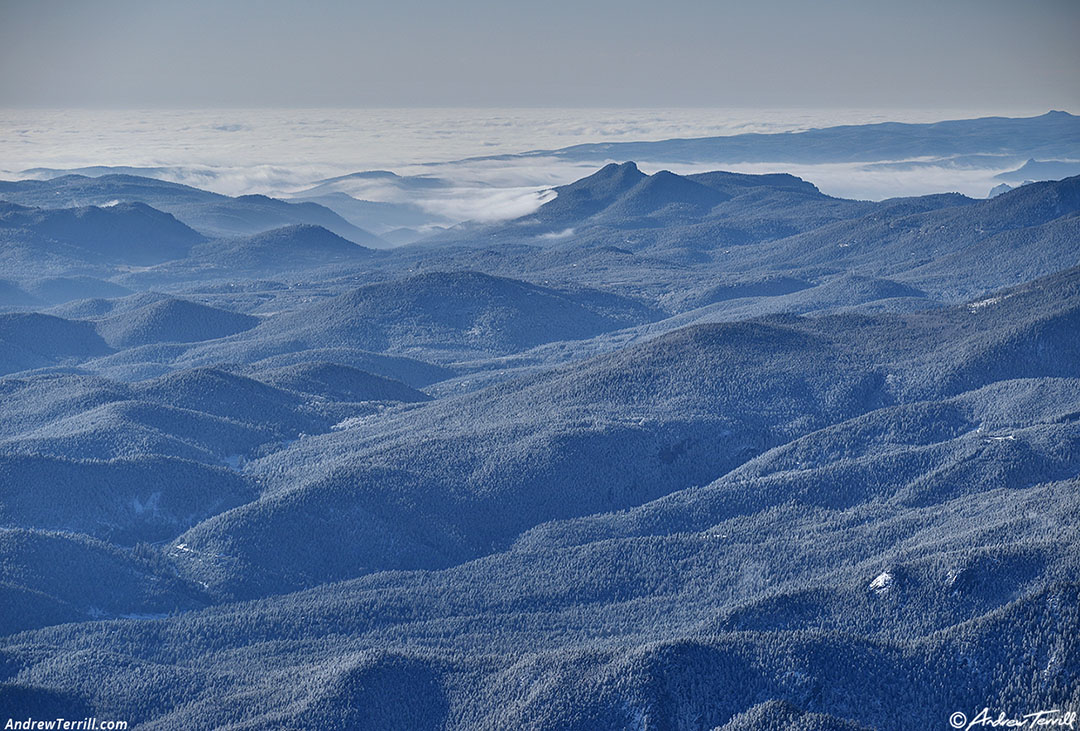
96	581
212	214
124	501
34	340
1052	135
708	451
338	382
131	233
172	321
612	432
454	312
280	248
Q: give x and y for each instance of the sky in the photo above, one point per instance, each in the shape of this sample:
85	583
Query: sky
985	54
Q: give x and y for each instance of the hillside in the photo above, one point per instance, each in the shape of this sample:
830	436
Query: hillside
129	233
171	320
288	246
706	451
613	432
212	214
33	340
338	382
455	311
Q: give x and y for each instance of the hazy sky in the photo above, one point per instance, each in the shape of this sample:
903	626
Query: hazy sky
1007	54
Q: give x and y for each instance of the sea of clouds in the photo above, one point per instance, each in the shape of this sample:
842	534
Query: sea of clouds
283	152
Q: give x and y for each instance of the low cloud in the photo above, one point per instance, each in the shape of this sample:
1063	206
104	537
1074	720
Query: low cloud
283	152
487	204
557	235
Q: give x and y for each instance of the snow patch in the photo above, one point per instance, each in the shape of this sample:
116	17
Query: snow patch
974	307
882	582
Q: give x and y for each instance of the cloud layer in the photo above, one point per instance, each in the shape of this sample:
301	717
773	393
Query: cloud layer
281	152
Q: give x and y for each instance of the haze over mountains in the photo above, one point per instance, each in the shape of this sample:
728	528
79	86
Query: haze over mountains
862	161
1055	133
713	450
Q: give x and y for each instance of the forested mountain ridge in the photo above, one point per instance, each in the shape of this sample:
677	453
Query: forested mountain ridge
703	451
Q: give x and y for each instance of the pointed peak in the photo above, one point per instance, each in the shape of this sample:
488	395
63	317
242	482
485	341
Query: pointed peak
617	171
609	180
625	167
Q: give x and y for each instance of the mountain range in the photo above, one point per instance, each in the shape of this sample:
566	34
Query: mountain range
709	451
1054	135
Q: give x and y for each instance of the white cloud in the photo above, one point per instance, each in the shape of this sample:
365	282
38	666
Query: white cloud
278	152
487	204
558	235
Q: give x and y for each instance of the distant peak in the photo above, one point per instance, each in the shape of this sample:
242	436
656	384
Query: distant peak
376	174
619	171
606	182
623	167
